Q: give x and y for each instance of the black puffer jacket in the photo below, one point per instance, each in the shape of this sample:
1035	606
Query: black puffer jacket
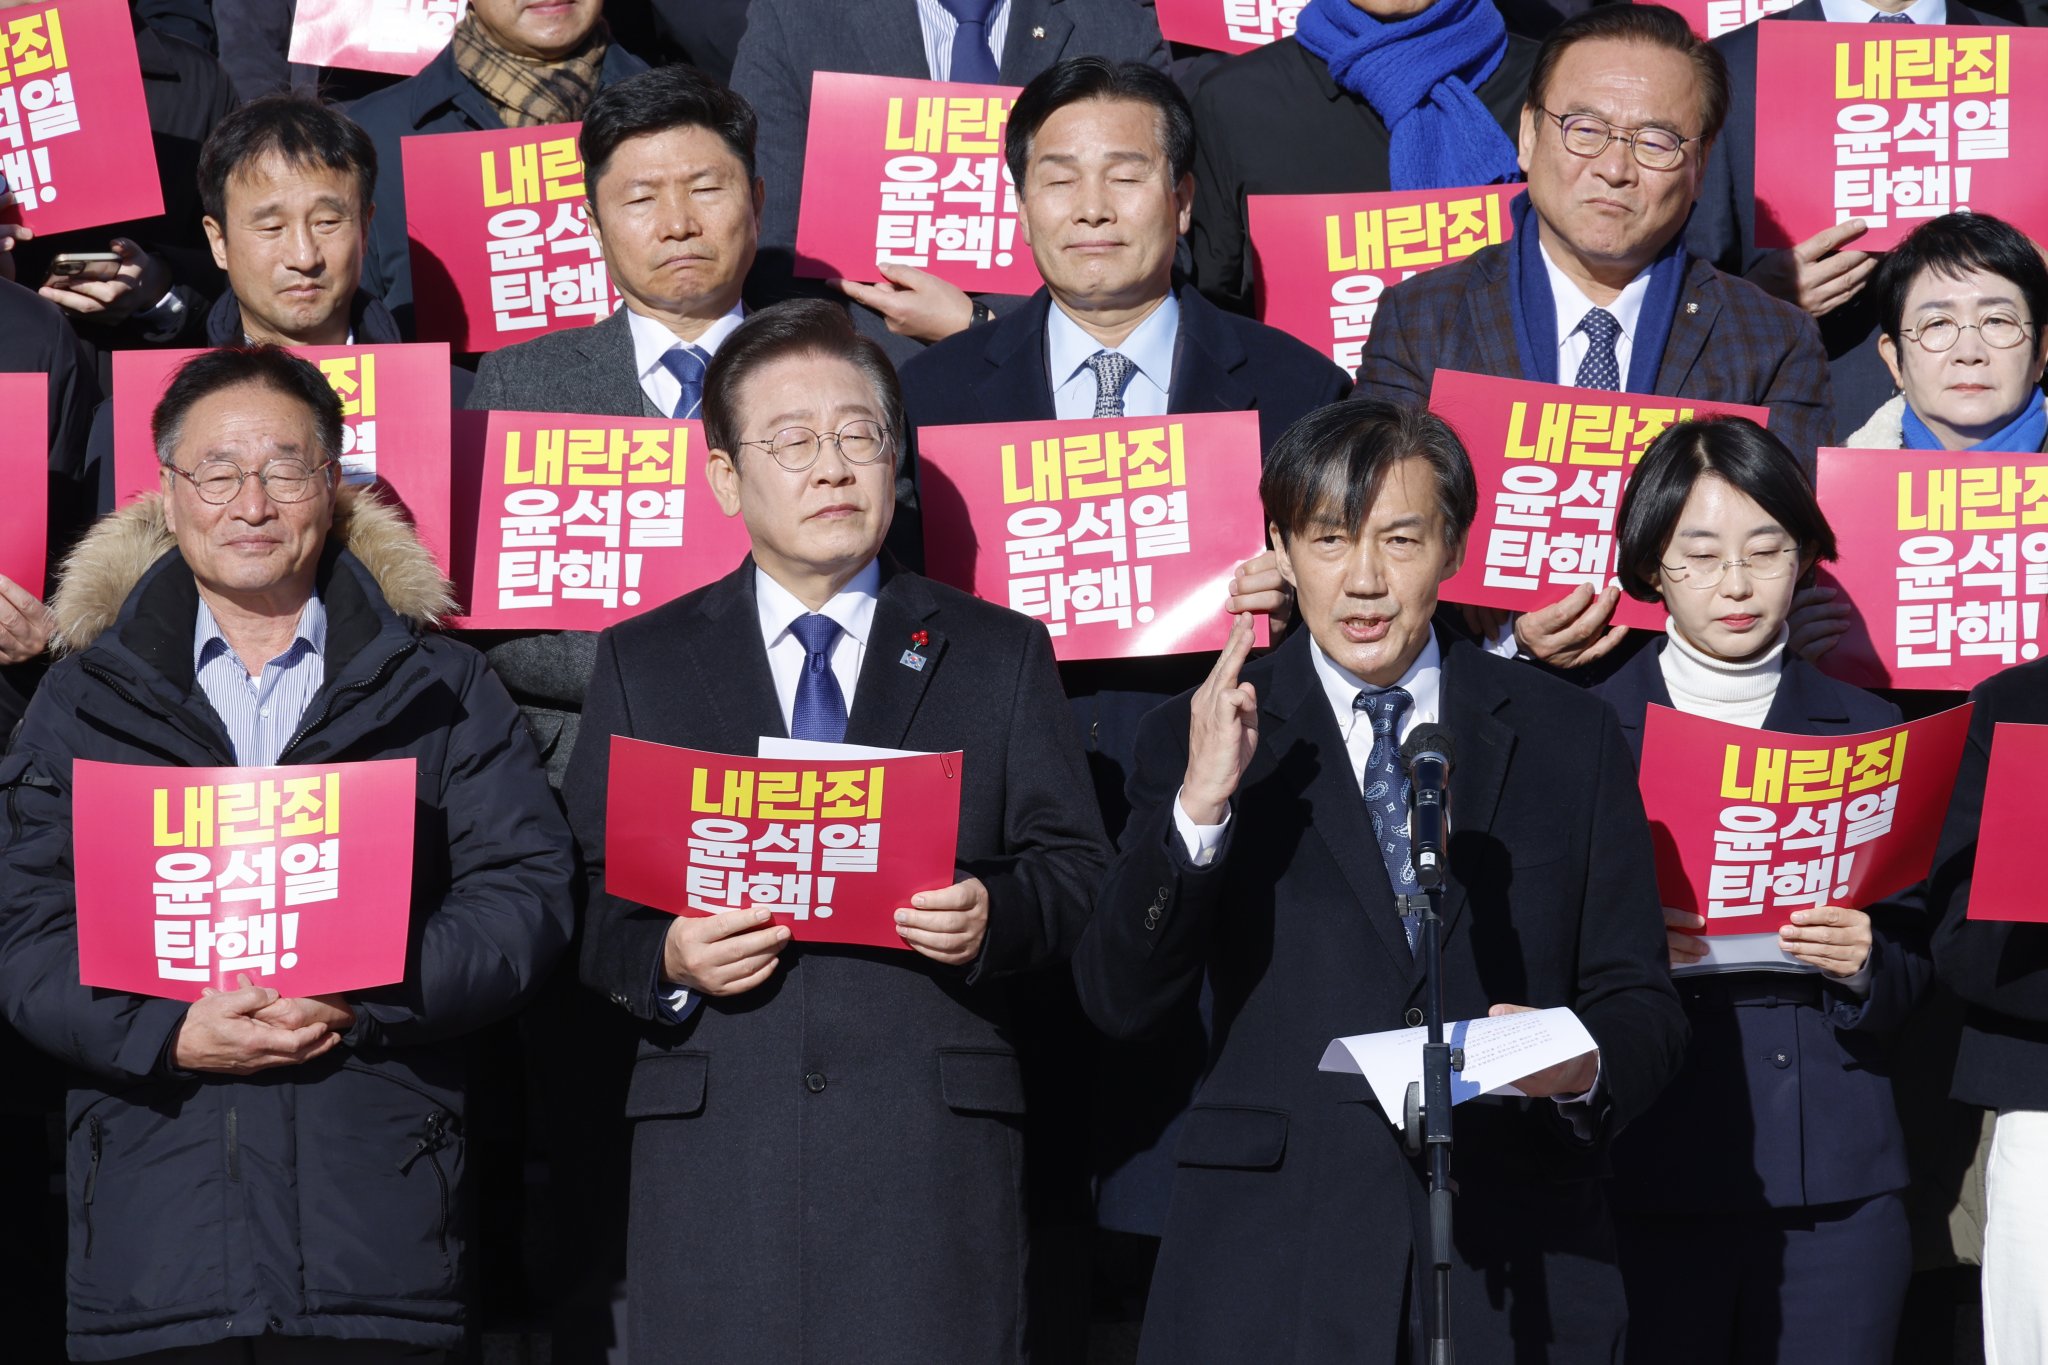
319	1200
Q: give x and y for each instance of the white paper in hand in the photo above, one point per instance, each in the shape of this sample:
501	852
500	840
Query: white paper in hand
773	746
1498	1052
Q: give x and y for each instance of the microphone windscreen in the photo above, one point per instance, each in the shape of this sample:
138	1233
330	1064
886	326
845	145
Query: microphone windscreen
1427	739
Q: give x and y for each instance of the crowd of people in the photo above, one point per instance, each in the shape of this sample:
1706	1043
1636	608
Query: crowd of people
1076	1116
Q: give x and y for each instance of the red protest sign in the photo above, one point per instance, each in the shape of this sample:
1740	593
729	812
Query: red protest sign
1325	259
394	404
2005	883
1228	25
835	845
500	239
1551	462
24	472
1712	18
581	522
299	876
910	172
71	108
1120	535
1896	130
397	37
1944	558
1750	825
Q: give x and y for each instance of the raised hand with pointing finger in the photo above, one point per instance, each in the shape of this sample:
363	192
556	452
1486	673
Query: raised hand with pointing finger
1223	732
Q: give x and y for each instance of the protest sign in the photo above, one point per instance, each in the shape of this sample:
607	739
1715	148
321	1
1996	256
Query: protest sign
299	876
394	405
72	110
1551	462
580	522
500	237
397	37
1712	18
833	846
1323	260
910	172
1119	534
1228	25
24	469
1944	559
1895	129
1750	825
2005	881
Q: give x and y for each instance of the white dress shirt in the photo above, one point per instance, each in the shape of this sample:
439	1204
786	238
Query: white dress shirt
1149	348
939	28
1857	12
652	340
1572	305
853	607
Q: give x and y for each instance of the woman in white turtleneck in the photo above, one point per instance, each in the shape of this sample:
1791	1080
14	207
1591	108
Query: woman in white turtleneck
1758	1202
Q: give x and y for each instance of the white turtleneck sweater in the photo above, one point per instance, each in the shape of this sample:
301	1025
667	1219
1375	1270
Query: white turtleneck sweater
1701	685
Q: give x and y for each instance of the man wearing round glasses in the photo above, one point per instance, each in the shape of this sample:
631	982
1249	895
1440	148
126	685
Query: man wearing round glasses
1597	289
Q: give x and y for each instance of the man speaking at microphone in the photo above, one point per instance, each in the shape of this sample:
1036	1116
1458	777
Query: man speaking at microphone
1261	856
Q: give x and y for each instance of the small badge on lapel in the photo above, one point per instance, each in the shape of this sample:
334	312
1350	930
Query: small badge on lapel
913	658
1692	308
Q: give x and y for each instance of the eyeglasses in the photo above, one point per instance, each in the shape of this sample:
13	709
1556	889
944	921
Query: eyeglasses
220	481
1940	333
1656	149
796	448
1707	571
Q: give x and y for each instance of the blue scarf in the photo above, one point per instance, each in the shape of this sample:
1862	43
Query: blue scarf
1535	309
2024	434
1418	74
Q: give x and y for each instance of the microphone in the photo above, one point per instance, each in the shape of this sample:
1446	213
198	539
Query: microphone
1427	752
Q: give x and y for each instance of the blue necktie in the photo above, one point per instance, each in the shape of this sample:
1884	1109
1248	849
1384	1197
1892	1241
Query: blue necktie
686	363
820	710
1386	791
1891	18
972	61
1600	369
1113	370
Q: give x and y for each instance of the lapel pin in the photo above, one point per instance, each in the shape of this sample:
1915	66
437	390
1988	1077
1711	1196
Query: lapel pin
1038	32
1692	308
912	659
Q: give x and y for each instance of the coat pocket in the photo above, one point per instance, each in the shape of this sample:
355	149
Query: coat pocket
980	1082
146	1187
1239	1139
668	1086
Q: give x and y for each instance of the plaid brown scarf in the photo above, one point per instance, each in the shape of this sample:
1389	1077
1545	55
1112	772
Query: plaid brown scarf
526	92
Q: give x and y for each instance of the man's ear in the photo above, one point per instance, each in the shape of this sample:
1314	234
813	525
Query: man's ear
724	473
1278	540
217	240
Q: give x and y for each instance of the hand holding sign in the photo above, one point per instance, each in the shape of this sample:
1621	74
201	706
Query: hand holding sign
726	954
227	1032
1572	631
25	623
1817	276
1833	938
1223	732
915	303
947	925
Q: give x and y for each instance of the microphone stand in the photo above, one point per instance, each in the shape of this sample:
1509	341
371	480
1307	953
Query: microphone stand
1428	1109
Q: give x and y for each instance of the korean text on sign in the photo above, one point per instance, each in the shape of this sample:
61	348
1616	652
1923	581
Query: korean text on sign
1945	560
37	106
1909	127
1228	25
544	261
188	878
1324	260
583	507
1712	18
1551	465
394	36
832	847
1757	825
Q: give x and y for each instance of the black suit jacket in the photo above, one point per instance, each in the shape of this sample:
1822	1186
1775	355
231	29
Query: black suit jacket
1730	342
846	1132
1723	224
1272	121
1999	968
1295	1210
1786	1095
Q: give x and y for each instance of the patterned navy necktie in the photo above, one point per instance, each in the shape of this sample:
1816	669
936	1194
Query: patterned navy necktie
972	60
1113	370
1386	791
1891	18
820	710
686	363
1600	369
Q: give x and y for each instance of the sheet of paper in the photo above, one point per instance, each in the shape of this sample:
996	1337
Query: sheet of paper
771	746
1498	1052
1745	953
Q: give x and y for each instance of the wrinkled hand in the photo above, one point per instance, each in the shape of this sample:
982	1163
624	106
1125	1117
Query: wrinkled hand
915	303
1574	1077
1223	731
140	283
1259	587
1571	632
1833	938
1685	948
25	623
947	925
1817	623
10	233
726	954
223	1033
297	1011
1817	275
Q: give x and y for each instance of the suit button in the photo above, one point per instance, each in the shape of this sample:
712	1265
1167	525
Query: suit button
1779	1060
814	1081
619	999
1414	1018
